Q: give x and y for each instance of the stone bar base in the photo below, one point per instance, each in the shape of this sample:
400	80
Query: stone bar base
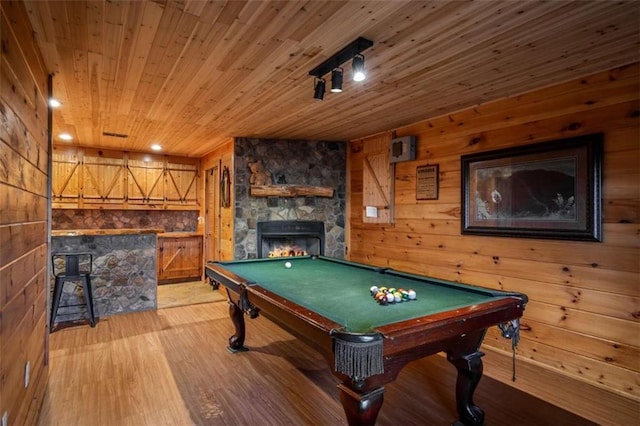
123	274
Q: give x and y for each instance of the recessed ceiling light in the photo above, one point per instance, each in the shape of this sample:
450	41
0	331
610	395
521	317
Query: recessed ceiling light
156	147
65	136
54	103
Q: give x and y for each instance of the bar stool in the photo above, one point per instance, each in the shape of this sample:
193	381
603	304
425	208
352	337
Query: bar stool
73	273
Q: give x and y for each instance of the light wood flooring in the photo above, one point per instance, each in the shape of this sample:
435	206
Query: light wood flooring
187	293
170	367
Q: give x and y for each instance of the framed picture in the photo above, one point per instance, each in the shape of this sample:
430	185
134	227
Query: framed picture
427	182
545	190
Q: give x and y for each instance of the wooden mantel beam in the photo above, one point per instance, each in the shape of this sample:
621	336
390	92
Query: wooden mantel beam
291	191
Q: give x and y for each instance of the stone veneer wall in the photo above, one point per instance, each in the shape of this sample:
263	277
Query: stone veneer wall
317	163
123	277
169	220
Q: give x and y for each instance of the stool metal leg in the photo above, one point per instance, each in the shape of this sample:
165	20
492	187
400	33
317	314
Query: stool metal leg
57	293
88	298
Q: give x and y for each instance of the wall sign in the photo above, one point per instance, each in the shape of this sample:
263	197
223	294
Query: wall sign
427	182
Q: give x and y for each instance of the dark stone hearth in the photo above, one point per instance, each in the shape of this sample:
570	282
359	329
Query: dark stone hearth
314	163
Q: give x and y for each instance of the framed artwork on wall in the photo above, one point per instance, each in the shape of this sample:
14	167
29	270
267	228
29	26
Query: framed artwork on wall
545	190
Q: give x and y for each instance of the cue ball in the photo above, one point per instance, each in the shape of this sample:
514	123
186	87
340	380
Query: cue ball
287	265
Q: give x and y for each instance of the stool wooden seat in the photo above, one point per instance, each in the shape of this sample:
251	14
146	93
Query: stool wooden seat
77	268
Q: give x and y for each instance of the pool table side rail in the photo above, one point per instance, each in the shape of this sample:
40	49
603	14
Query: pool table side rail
221	275
405	335
237	284
299	311
310	327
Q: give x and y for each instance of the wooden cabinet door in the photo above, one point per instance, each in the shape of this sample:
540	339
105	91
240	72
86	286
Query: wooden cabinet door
145	175
103	175
179	259
65	177
181	183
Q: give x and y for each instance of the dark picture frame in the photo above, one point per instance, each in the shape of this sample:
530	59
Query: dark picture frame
544	190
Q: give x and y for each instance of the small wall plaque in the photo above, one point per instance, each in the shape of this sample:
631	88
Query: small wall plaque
427	182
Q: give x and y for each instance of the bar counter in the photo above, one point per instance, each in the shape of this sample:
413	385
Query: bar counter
124	273
100	232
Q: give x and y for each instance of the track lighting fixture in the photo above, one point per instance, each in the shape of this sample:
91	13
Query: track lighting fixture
353	51
319	88
336	80
358	68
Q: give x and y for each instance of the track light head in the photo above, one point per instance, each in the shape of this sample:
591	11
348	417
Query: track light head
336	80
319	89
358	68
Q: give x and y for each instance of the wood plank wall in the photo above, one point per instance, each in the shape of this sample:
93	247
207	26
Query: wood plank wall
580	329
221	157
24	214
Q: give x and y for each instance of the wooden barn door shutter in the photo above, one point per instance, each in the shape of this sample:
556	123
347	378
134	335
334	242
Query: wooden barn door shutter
377	181
145	173
103	176
181	183
66	177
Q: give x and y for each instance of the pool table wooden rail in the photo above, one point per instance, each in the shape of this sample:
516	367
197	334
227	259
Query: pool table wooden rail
432	328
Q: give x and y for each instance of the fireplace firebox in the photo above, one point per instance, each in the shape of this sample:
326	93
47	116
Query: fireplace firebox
283	238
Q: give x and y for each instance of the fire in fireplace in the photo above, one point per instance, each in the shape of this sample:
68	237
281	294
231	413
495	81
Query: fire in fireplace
283	238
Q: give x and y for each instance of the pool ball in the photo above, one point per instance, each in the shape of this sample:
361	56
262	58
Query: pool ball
287	265
397	297
390	298
374	289
412	294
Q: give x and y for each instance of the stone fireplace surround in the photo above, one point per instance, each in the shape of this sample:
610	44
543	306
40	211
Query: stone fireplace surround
299	162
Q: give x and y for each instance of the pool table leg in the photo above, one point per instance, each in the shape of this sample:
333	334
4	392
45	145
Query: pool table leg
469	366
361	409
236	342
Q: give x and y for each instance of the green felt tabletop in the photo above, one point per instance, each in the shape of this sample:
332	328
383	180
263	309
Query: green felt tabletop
340	290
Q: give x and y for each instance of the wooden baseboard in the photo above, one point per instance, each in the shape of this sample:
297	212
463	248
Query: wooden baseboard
576	396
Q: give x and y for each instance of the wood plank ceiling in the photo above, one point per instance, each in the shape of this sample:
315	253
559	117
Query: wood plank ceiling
191	74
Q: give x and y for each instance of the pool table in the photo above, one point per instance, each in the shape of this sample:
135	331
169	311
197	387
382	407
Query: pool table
327	303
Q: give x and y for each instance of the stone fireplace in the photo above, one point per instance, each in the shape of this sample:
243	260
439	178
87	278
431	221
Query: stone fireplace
283	238
297	162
